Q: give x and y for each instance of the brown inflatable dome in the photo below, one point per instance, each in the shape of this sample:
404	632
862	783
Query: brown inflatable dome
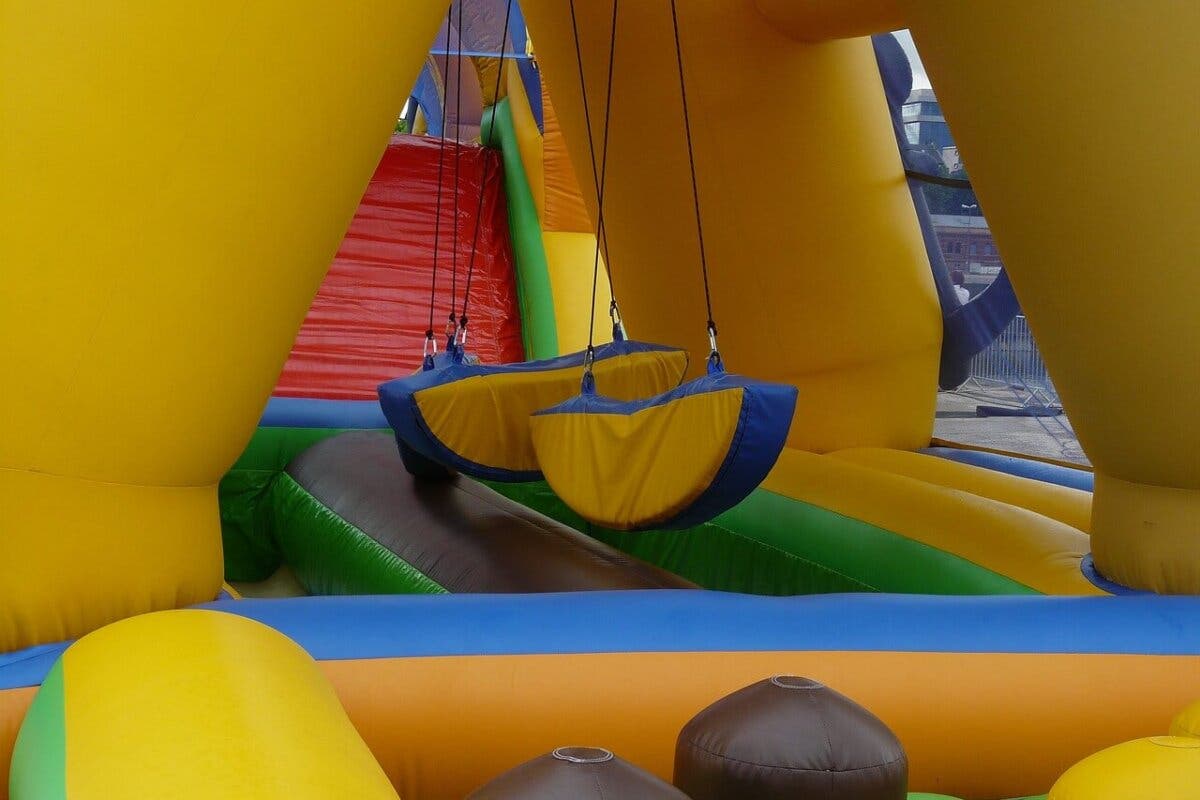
577	773
788	737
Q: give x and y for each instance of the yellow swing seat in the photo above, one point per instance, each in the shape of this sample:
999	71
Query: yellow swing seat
475	419
671	461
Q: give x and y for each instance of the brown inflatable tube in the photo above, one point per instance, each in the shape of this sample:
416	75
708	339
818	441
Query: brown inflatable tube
788	737
457	532
577	773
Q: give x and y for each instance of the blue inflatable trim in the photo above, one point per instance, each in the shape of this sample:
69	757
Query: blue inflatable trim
688	620
398	400
307	412
529	73
30	666
1087	566
428	94
761	433
1021	467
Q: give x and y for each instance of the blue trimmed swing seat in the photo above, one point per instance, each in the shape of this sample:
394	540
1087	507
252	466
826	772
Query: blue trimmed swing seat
474	419
672	461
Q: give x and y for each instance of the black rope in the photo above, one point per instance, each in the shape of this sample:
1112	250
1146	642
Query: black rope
450	325
462	318
437	219
599	174
598	179
687	129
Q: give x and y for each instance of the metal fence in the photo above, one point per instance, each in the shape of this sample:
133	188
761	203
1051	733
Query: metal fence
1014	362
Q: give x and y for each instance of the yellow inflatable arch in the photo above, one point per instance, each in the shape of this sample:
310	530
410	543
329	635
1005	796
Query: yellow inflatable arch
214	164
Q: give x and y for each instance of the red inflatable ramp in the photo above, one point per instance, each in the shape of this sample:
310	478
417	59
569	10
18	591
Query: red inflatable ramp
368	320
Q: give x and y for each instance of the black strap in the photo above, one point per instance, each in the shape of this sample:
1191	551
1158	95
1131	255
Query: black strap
597	179
437	219
462	318
687	129
458	61
600	173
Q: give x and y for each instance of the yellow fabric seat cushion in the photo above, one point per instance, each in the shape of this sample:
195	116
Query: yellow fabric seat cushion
485	419
626	471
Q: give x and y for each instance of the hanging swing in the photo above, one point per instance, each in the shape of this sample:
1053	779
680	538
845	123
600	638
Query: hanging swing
455	415
671	461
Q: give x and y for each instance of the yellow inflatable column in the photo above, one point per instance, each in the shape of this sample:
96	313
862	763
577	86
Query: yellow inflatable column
1078	122
819	274
1156	768
176	179
190	705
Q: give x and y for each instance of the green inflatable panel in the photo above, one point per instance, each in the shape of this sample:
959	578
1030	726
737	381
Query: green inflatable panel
534	295
329	555
771	544
247	533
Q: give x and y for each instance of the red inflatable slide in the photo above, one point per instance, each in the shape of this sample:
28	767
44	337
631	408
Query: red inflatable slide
368	321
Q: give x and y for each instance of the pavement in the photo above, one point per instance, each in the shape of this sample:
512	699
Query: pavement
1049	436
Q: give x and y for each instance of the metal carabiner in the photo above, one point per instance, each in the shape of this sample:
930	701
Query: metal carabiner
588	384
428	351
715	364
618	324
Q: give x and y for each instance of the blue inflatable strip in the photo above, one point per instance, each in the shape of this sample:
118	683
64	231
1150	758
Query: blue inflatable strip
1021	467
308	412
670	620
398	400
1087	566
428	94
30	666
667	620
761	432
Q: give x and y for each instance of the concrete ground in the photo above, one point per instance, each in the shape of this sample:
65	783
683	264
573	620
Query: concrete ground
1048	437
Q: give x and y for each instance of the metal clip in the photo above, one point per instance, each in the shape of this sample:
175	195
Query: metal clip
715	365
618	324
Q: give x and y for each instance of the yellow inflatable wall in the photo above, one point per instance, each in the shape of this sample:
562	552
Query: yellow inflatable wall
176	179
1078	124
819	274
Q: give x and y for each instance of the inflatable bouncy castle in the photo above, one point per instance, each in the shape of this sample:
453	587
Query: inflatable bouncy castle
535	398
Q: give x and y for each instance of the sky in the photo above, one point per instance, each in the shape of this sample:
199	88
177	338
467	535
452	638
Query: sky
920	79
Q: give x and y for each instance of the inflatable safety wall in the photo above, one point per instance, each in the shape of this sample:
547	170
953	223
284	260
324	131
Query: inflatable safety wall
168	216
1099	242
